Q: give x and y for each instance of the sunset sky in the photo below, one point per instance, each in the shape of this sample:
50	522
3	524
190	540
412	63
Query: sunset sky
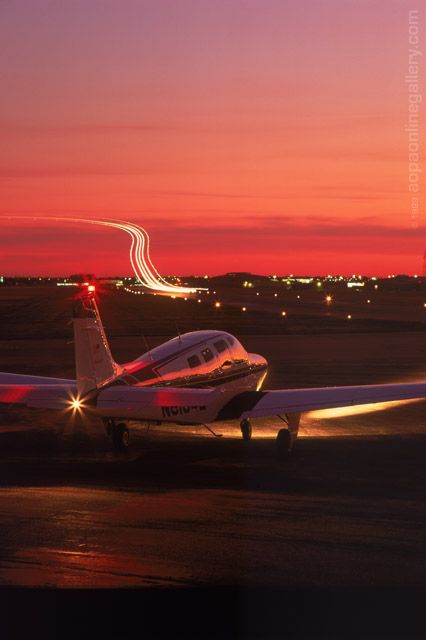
258	135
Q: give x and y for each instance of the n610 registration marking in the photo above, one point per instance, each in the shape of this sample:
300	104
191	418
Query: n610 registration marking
176	410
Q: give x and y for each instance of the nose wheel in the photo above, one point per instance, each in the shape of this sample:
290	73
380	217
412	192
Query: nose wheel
284	444
119	435
246	430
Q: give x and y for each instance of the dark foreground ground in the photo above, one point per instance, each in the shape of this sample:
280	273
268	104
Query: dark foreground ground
343	512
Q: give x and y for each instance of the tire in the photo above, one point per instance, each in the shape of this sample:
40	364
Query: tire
246	430
120	437
284	444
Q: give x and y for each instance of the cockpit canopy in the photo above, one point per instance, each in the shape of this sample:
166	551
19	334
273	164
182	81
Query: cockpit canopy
194	357
223	350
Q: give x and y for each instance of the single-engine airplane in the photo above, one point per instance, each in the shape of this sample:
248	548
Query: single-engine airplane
197	378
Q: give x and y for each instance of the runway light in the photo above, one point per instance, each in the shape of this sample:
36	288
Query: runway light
349	317
217	305
328	299
198	300
298	297
244	309
275	295
424	304
76	404
368	301
283	313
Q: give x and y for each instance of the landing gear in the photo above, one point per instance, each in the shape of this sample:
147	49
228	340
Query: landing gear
245	426
284	444
119	434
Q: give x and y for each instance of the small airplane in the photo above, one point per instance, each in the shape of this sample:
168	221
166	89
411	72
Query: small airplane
197	378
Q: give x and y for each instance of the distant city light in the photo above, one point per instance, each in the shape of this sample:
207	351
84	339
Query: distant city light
328	299
349	317
217	305
283	313
244	309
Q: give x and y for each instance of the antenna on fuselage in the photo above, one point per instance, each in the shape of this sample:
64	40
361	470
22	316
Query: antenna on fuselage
178	332
147	347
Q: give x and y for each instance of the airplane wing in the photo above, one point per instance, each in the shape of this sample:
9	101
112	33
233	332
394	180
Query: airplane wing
192	405
258	404
36	391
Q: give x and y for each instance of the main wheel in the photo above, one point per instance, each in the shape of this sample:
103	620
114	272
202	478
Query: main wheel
284	444
245	429
120	437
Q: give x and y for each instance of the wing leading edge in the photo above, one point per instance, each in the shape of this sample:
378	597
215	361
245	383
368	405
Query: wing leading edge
268	403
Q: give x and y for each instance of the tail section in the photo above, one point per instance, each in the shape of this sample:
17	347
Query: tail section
94	363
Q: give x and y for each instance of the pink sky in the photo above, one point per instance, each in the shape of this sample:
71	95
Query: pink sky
250	135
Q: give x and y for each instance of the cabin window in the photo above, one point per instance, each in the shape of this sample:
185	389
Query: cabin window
194	361
207	354
220	346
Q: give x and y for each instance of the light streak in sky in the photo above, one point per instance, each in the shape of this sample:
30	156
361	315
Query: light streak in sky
140	258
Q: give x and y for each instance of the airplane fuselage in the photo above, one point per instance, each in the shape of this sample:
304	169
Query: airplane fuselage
200	360
196	359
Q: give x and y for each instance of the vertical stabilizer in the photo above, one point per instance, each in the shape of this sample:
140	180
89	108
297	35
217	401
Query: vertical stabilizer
94	363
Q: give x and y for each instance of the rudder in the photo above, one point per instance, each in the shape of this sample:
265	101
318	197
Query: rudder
93	359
